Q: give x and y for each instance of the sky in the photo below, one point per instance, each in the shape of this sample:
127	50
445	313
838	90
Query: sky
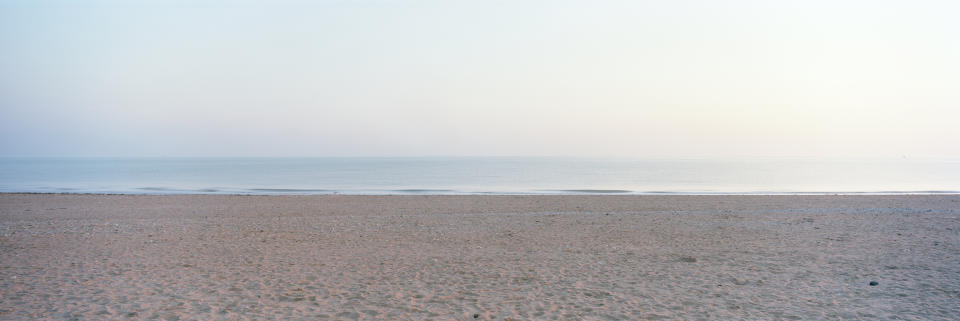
644	79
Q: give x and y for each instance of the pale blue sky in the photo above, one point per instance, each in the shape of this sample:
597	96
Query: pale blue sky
412	78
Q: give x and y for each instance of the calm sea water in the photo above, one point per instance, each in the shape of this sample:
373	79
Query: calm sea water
471	176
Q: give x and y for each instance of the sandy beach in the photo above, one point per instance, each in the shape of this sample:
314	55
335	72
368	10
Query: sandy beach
219	257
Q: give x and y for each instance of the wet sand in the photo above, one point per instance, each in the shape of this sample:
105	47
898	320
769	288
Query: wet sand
479	257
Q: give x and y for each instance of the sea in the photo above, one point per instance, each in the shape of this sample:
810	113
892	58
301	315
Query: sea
475	175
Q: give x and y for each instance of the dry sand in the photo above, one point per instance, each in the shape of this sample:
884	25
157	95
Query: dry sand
479	257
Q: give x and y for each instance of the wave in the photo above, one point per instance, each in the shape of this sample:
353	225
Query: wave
425	191
593	191
155	189
290	190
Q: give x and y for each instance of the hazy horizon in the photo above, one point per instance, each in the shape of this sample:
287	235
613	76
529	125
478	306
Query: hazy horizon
436	176
628	79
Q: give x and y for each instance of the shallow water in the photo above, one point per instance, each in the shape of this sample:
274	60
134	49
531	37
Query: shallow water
473	175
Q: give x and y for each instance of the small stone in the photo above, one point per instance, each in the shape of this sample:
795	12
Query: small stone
874	283
476	315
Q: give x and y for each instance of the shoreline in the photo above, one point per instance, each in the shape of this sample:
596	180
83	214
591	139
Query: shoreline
456	193
473	257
